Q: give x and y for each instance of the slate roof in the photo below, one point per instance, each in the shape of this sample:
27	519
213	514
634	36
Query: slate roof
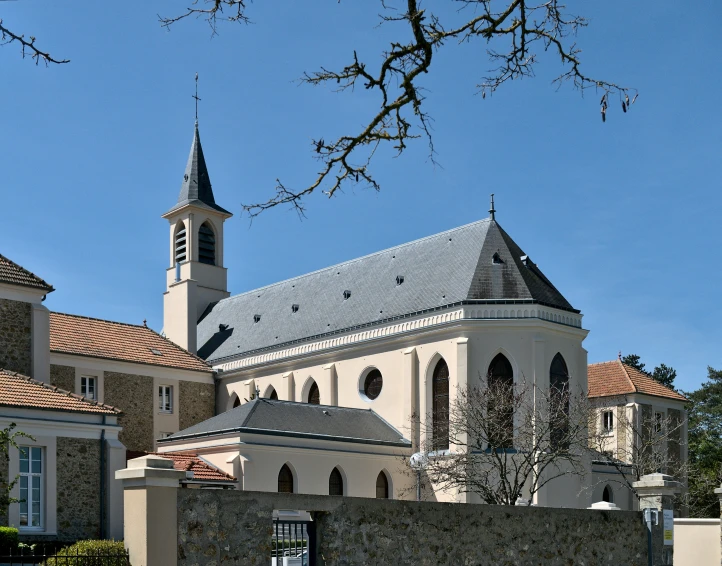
608	379
286	418
190	462
196	186
444	269
17	390
83	336
12	273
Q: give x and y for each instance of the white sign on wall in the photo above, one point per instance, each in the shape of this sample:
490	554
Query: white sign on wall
668	515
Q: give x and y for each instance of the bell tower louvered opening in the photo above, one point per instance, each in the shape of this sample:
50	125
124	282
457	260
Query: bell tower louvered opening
180	243
206	245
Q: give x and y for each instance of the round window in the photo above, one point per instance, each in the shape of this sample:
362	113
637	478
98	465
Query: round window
373	384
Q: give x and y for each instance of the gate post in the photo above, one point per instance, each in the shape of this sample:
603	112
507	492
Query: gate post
656	492
718	491
151	510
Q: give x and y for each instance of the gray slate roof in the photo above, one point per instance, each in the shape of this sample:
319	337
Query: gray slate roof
444	269
13	274
196	187
285	418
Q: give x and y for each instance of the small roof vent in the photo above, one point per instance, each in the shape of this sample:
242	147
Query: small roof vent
294	308
399	279
156	352
497	259
222	327
346	295
256	318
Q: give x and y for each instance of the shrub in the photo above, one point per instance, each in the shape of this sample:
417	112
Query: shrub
8	538
102	553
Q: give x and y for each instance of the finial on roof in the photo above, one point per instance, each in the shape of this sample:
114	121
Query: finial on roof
491	210
619	355
145	323
197	99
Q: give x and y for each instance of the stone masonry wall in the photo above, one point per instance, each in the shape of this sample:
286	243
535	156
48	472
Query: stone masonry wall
197	403
63	377
132	394
15	336
234	527
78	477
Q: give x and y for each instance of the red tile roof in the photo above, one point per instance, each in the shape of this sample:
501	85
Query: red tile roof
608	379
20	391
12	273
188	461
80	335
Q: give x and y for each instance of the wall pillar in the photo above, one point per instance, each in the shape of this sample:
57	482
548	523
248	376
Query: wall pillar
289	391
718	491
40	340
657	491
151	510
411	414
462	386
331	384
540	380
115	460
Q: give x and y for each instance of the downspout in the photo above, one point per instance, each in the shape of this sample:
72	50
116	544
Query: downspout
102	481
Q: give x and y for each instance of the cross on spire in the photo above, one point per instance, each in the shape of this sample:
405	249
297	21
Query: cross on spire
196	97
492	211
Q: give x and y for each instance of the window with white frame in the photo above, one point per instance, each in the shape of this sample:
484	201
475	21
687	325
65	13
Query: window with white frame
608	421
89	387
31	487
165	398
658	422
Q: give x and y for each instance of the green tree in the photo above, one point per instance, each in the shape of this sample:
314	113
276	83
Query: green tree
705	445
8	438
635	361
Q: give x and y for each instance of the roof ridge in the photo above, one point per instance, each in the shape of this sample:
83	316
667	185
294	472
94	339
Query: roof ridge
600	363
56	389
626	373
336	265
337	407
101	320
49	287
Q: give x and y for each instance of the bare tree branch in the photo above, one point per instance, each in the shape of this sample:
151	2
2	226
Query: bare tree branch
28	47
524	29
213	13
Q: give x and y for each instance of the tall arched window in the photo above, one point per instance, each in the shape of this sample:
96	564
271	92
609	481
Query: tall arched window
237	402
206	244
272	394
382	486
440	406
608	494
500	377
314	395
285	480
180	243
335	483
559	400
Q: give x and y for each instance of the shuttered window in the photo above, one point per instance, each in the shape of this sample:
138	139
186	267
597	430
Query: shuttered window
440	410
335	483
180	243
206	245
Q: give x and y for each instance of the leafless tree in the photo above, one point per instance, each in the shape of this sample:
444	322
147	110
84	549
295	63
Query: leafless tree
506	442
27	46
516	32
639	442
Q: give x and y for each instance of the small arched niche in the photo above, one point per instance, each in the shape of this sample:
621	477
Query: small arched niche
286	481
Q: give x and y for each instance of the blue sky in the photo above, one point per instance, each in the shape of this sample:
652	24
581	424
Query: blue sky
623	217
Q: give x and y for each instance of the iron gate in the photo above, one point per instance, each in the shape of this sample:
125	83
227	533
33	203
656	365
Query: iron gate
293	543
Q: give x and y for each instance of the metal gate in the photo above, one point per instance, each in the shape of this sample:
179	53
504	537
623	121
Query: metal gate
293	543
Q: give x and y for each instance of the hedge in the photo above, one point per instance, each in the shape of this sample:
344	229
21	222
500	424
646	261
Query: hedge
8	538
102	553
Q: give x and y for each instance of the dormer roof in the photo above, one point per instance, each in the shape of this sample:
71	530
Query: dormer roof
196	186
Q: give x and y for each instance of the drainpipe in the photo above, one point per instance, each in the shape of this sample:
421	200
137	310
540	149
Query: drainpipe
102	481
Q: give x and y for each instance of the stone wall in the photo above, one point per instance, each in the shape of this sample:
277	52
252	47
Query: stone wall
197	403
78	484
234	527
15	336
63	377
132	394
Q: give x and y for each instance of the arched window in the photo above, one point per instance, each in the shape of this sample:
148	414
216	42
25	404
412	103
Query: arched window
237	402
559	400
373	384
314	395
273	395
440	406
382	486
285	480
608	494
180	243
335	483
206	244
500	377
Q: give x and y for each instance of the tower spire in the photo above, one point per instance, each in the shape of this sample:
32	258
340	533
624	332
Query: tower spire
492	211
197	99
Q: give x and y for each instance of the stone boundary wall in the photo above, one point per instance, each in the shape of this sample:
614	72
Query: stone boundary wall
234	527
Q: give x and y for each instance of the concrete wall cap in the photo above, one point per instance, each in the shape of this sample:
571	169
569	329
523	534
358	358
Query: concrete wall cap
655	482
151	461
604	506
150	474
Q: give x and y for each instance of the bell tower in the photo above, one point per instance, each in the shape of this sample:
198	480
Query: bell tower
196	276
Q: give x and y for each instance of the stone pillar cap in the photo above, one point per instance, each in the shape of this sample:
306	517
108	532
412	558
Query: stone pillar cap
151	461
604	506
652	482
150	470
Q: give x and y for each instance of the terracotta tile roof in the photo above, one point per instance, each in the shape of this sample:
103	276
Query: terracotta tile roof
80	335
12	273
20	391
188	461
608	379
